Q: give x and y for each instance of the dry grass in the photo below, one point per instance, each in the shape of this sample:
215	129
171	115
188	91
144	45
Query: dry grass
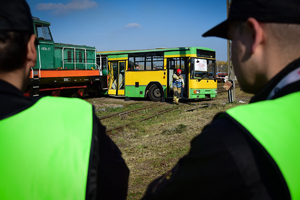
153	147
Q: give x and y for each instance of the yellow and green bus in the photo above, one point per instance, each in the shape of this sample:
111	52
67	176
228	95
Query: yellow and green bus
148	73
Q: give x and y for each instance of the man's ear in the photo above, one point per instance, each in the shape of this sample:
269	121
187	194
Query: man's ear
31	51
257	32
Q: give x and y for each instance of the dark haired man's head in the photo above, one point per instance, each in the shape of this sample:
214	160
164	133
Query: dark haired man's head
16	27
17	42
13	50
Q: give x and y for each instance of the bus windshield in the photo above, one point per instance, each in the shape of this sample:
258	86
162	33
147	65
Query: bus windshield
202	68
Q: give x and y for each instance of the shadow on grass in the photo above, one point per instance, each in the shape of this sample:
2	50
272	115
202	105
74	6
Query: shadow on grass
176	130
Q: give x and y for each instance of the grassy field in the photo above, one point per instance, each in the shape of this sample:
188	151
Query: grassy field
153	147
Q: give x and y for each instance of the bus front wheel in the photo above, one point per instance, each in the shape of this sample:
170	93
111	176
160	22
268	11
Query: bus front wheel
154	93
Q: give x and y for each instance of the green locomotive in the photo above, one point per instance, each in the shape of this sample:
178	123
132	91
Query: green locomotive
64	67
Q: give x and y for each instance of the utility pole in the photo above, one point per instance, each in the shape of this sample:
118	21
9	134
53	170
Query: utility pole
231	75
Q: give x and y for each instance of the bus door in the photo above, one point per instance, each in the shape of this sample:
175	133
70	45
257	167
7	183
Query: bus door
116	78
172	65
171	71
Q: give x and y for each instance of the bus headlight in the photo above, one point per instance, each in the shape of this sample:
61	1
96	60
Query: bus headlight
196	91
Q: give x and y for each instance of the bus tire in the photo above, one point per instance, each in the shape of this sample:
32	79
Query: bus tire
154	93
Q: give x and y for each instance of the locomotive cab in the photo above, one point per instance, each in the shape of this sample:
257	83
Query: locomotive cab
45	48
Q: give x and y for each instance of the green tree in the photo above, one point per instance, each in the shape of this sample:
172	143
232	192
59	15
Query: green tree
222	66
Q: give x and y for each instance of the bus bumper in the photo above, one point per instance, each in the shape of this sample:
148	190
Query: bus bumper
203	93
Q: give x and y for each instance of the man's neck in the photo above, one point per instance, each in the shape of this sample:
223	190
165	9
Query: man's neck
14	78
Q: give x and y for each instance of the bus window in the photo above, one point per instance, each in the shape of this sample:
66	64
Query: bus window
211	67
202	68
130	64
206	54
177	63
147	61
140	61
136	66
158	62
104	63
182	65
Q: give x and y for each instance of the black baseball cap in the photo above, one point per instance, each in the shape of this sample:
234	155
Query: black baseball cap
15	15
276	11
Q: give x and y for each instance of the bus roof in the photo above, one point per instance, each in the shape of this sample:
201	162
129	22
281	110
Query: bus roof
152	50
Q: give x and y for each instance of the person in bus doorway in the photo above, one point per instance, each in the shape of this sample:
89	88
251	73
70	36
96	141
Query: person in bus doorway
250	151
178	82
50	147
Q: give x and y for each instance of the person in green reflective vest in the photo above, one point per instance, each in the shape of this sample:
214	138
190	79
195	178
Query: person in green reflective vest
250	151
50	148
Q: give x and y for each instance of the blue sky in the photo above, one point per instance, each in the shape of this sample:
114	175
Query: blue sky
132	24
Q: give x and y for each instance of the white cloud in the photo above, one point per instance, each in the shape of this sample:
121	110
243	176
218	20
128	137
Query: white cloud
59	8
133	25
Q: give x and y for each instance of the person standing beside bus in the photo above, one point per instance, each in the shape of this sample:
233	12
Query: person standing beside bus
250	151
50	147
178	82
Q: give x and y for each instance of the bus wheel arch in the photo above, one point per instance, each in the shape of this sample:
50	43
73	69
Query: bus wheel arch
155	91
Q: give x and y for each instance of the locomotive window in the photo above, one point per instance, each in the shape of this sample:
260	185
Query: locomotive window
80	57
69	56
43	33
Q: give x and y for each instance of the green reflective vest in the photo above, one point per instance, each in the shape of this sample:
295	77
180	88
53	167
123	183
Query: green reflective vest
45	150
275	124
